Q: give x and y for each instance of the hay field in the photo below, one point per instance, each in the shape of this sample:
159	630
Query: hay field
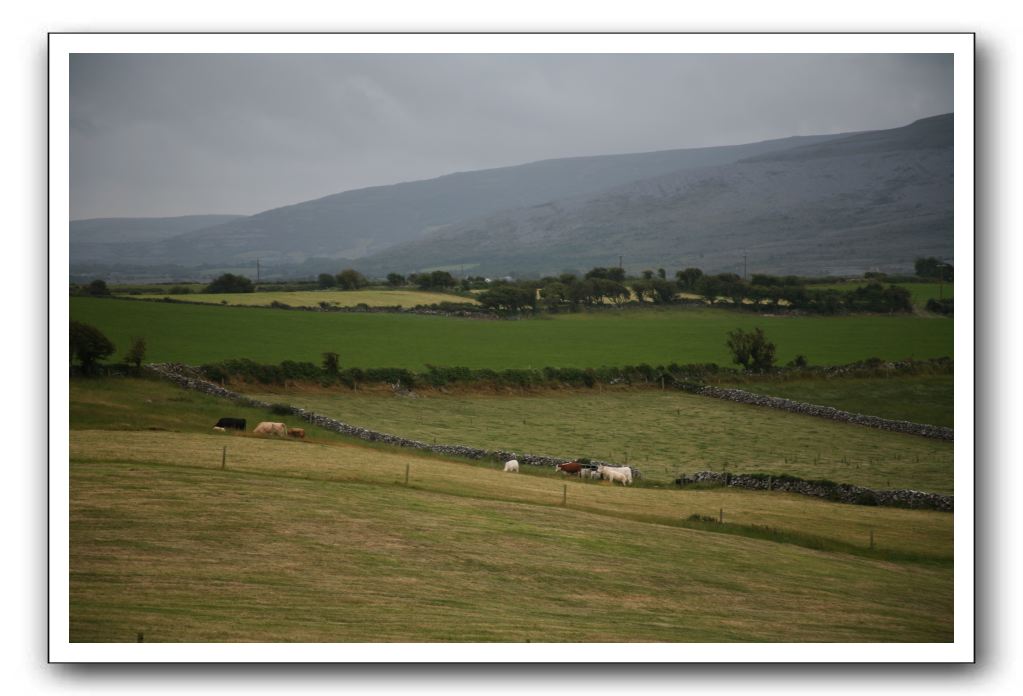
318	542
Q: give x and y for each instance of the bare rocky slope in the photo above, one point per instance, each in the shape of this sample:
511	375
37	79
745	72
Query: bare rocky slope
871	200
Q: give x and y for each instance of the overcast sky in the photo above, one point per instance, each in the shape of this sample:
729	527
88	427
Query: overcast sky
162	135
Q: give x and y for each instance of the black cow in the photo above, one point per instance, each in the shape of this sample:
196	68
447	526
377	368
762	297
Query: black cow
232	423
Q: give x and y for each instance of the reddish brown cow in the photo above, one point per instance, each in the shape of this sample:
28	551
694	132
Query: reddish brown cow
296	432
570	467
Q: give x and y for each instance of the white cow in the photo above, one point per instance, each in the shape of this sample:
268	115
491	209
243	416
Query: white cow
621	474
512	466
590	473
267	428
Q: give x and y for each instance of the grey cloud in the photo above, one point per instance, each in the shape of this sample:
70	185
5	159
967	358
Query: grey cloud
194	133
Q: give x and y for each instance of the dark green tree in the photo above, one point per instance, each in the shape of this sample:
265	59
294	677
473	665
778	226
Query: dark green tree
229	282
136	352
751	349
331	363
88	345
600	273
931	267
351	279
326	280
507	297
688	279
98	288
395	280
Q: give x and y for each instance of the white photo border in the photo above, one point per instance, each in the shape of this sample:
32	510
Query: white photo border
62	45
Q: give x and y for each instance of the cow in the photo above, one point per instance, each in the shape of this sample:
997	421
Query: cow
219	429
231	423
296	432
267	428
569	467
590	473
621	474
512	466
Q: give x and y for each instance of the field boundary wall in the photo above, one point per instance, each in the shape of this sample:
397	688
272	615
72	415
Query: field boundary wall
745	397
188	378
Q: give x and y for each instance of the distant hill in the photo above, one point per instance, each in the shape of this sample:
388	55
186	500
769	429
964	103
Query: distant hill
354	224
845	205
121	240
827	204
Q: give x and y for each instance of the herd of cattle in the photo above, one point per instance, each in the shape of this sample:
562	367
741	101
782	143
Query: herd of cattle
614	474
264	428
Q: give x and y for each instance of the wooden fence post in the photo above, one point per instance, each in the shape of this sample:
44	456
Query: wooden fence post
223	461
721	515
564	495
406	473
871	539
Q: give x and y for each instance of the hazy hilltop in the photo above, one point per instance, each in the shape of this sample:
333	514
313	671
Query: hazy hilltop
869	200
829	204
354	224
128	240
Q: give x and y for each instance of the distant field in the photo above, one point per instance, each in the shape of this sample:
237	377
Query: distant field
662	433
919	292
920	399
313	298
199	334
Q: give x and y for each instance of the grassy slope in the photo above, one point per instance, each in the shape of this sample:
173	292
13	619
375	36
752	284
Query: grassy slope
198	334
306	542
921	399
317	541
662	433
312	298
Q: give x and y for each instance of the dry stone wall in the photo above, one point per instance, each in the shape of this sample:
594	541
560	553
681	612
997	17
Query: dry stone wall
189	378
838	492
745	397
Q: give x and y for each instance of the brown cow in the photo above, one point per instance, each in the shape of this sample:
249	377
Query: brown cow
296	432
570	467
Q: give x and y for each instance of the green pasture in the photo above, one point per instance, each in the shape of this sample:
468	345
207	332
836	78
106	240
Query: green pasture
662	433
919	292
320	540
200	334
313	298
918	398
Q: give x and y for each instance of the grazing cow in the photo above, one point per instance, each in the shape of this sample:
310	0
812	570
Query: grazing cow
621	474
296	432
590	473
569	467
512	466
219	429
232	423
266	428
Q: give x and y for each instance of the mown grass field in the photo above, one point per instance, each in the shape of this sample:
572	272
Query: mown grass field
319	540
313	298
662	433
199	334
919	398
919	292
